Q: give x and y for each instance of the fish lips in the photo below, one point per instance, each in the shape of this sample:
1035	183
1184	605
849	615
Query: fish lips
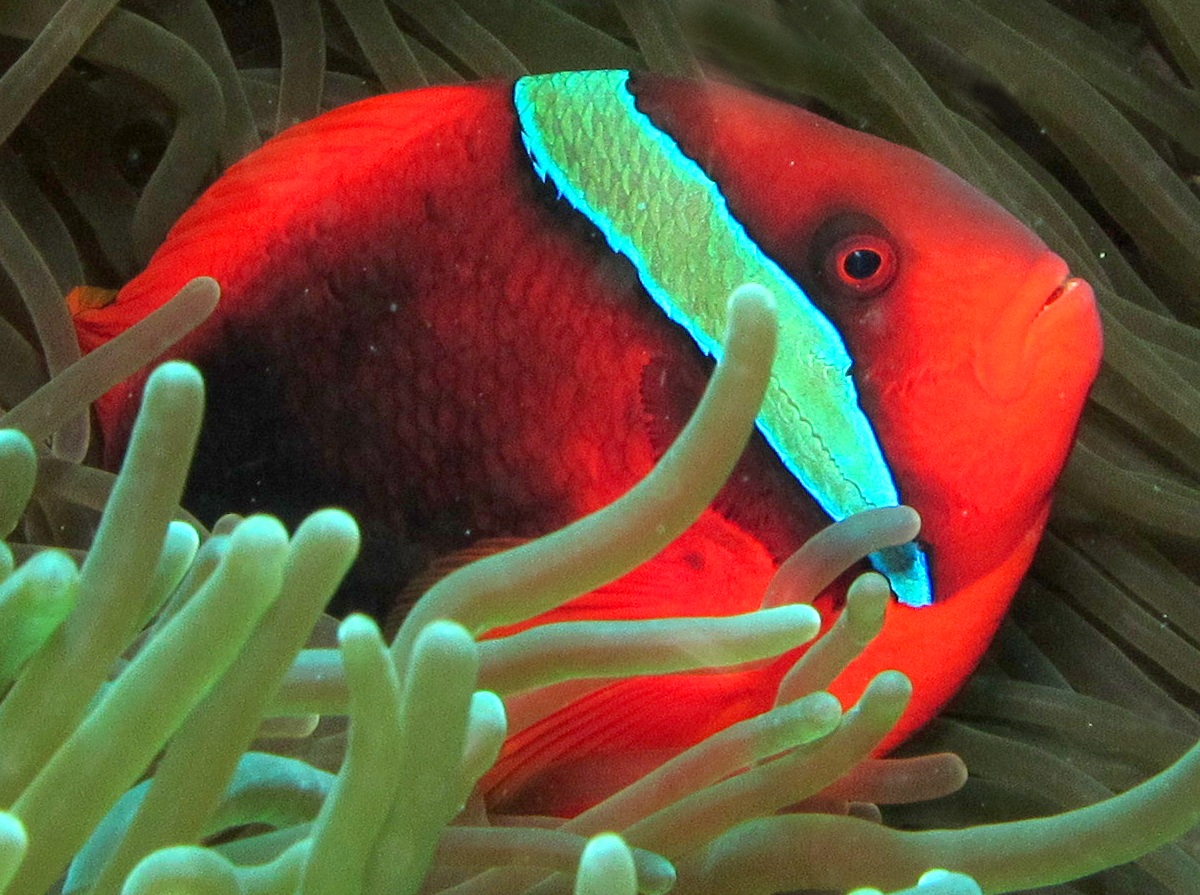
1049	330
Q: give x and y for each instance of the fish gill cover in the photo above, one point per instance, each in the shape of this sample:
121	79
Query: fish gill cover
1082	120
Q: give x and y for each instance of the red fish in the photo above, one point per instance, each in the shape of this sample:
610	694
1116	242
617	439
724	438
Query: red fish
416	325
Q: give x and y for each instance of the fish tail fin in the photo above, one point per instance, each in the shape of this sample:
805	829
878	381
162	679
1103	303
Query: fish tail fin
89	298
97	315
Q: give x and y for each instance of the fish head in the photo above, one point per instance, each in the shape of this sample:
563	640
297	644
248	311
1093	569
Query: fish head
973	352
972	348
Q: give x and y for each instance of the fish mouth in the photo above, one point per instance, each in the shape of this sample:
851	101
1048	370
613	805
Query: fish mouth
1044	314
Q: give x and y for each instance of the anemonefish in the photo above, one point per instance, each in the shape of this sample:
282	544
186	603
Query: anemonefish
483	311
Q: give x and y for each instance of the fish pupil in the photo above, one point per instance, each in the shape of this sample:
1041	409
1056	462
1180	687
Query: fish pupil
862	264
137	149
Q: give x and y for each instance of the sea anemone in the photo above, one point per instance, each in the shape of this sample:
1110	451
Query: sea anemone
216	638
1081	118
219	655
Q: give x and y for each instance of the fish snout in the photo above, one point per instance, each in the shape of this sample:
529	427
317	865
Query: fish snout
1049	316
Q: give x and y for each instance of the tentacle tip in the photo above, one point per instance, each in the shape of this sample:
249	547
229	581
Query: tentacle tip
867	602
804	619
205	287
753	312
334	524
825	709
444	635
891	684
259	533
752	295
16	442
947	882
175	377
910	519
489	705
12	833
357	626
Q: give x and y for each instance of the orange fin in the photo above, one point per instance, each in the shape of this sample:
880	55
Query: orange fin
99	315
438	569
606	740
89	298
713	568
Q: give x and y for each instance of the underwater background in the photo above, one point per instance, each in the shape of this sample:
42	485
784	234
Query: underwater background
1082	118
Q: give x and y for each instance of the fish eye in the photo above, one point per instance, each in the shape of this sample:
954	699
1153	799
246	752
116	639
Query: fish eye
137	149
863	262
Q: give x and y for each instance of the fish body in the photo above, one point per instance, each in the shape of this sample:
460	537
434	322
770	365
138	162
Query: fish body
419	322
